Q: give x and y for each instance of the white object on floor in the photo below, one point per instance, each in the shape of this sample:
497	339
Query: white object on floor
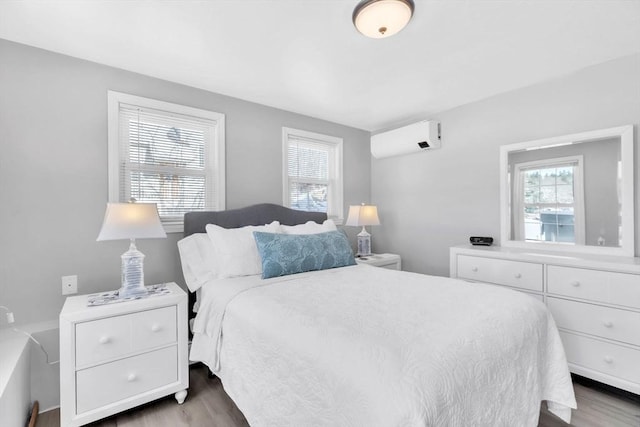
15	391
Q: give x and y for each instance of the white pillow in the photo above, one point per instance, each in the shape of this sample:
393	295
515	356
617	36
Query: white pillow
235	250
309	227
198	260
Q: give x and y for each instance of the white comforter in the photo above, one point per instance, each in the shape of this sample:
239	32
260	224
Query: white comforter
365	346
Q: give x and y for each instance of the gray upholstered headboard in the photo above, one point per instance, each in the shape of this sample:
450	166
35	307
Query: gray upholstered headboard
264	213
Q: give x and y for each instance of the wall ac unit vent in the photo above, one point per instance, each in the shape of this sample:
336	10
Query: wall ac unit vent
421	136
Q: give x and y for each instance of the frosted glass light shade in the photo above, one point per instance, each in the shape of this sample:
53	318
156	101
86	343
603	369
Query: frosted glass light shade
131	221
382	18
363	215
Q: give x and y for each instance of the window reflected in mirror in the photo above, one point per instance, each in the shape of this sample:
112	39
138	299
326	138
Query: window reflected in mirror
548	200
573	191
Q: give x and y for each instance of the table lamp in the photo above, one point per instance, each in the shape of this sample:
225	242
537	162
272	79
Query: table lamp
131	221
361	216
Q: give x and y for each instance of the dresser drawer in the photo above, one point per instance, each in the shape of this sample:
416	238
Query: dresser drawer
602	286
606	322
608	358
524	275
113	337
115	381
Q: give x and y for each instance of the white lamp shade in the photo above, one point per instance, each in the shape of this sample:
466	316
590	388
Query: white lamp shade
382	18
131	221
363	215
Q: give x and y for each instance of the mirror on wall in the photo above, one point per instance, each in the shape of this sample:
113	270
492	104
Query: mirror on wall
570	193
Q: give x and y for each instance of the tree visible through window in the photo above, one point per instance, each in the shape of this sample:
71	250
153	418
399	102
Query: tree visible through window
165	165
167	154
549	206
312	172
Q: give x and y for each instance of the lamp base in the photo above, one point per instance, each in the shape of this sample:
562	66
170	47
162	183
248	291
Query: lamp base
364	243
132	273
132	292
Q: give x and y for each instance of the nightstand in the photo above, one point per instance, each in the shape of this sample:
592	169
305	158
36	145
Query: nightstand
390	261
117	356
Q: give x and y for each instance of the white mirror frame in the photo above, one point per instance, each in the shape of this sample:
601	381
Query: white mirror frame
627	248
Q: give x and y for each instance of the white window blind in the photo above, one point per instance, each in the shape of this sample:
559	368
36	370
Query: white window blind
313	172
168	155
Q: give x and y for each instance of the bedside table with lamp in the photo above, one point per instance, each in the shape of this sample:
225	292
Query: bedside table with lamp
361	216
124	348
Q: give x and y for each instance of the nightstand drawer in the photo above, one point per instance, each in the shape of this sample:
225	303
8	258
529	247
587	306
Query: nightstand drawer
113	337
153	328
115	381
606	322
524	275
608	358
602	286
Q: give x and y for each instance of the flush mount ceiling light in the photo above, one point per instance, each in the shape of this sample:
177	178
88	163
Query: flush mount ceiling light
382	18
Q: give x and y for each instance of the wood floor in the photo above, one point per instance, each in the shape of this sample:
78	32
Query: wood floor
208	405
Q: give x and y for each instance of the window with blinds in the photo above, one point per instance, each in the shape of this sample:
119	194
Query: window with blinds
312	172
166	154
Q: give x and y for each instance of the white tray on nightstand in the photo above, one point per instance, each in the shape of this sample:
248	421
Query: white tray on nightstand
390	261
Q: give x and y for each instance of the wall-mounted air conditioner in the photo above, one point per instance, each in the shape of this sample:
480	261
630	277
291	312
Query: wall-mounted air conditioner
421	136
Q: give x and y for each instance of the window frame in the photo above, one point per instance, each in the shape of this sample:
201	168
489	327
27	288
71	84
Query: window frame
214	151
578	194
335	187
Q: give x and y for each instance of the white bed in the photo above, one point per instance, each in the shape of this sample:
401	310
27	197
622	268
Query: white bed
363	346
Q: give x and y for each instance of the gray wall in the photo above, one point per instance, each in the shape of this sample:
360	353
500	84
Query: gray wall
436	199
53	172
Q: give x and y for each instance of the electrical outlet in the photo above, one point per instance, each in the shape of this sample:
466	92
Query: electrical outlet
69	285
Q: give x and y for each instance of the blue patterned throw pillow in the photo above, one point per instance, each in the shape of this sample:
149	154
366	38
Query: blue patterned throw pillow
284	254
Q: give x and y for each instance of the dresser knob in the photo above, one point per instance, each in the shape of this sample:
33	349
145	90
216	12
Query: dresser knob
103	340
575	284
608	359
132	377
474	269
518	275
607	323
155	328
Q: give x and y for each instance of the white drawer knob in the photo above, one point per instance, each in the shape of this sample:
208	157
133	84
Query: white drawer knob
474	269
607	323
518	275
104	340
132	377
608	359
575	284
155	328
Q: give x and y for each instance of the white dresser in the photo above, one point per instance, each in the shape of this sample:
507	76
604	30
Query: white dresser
115	357
594	300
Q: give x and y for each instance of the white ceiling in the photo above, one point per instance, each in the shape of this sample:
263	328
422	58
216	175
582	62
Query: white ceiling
305	55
